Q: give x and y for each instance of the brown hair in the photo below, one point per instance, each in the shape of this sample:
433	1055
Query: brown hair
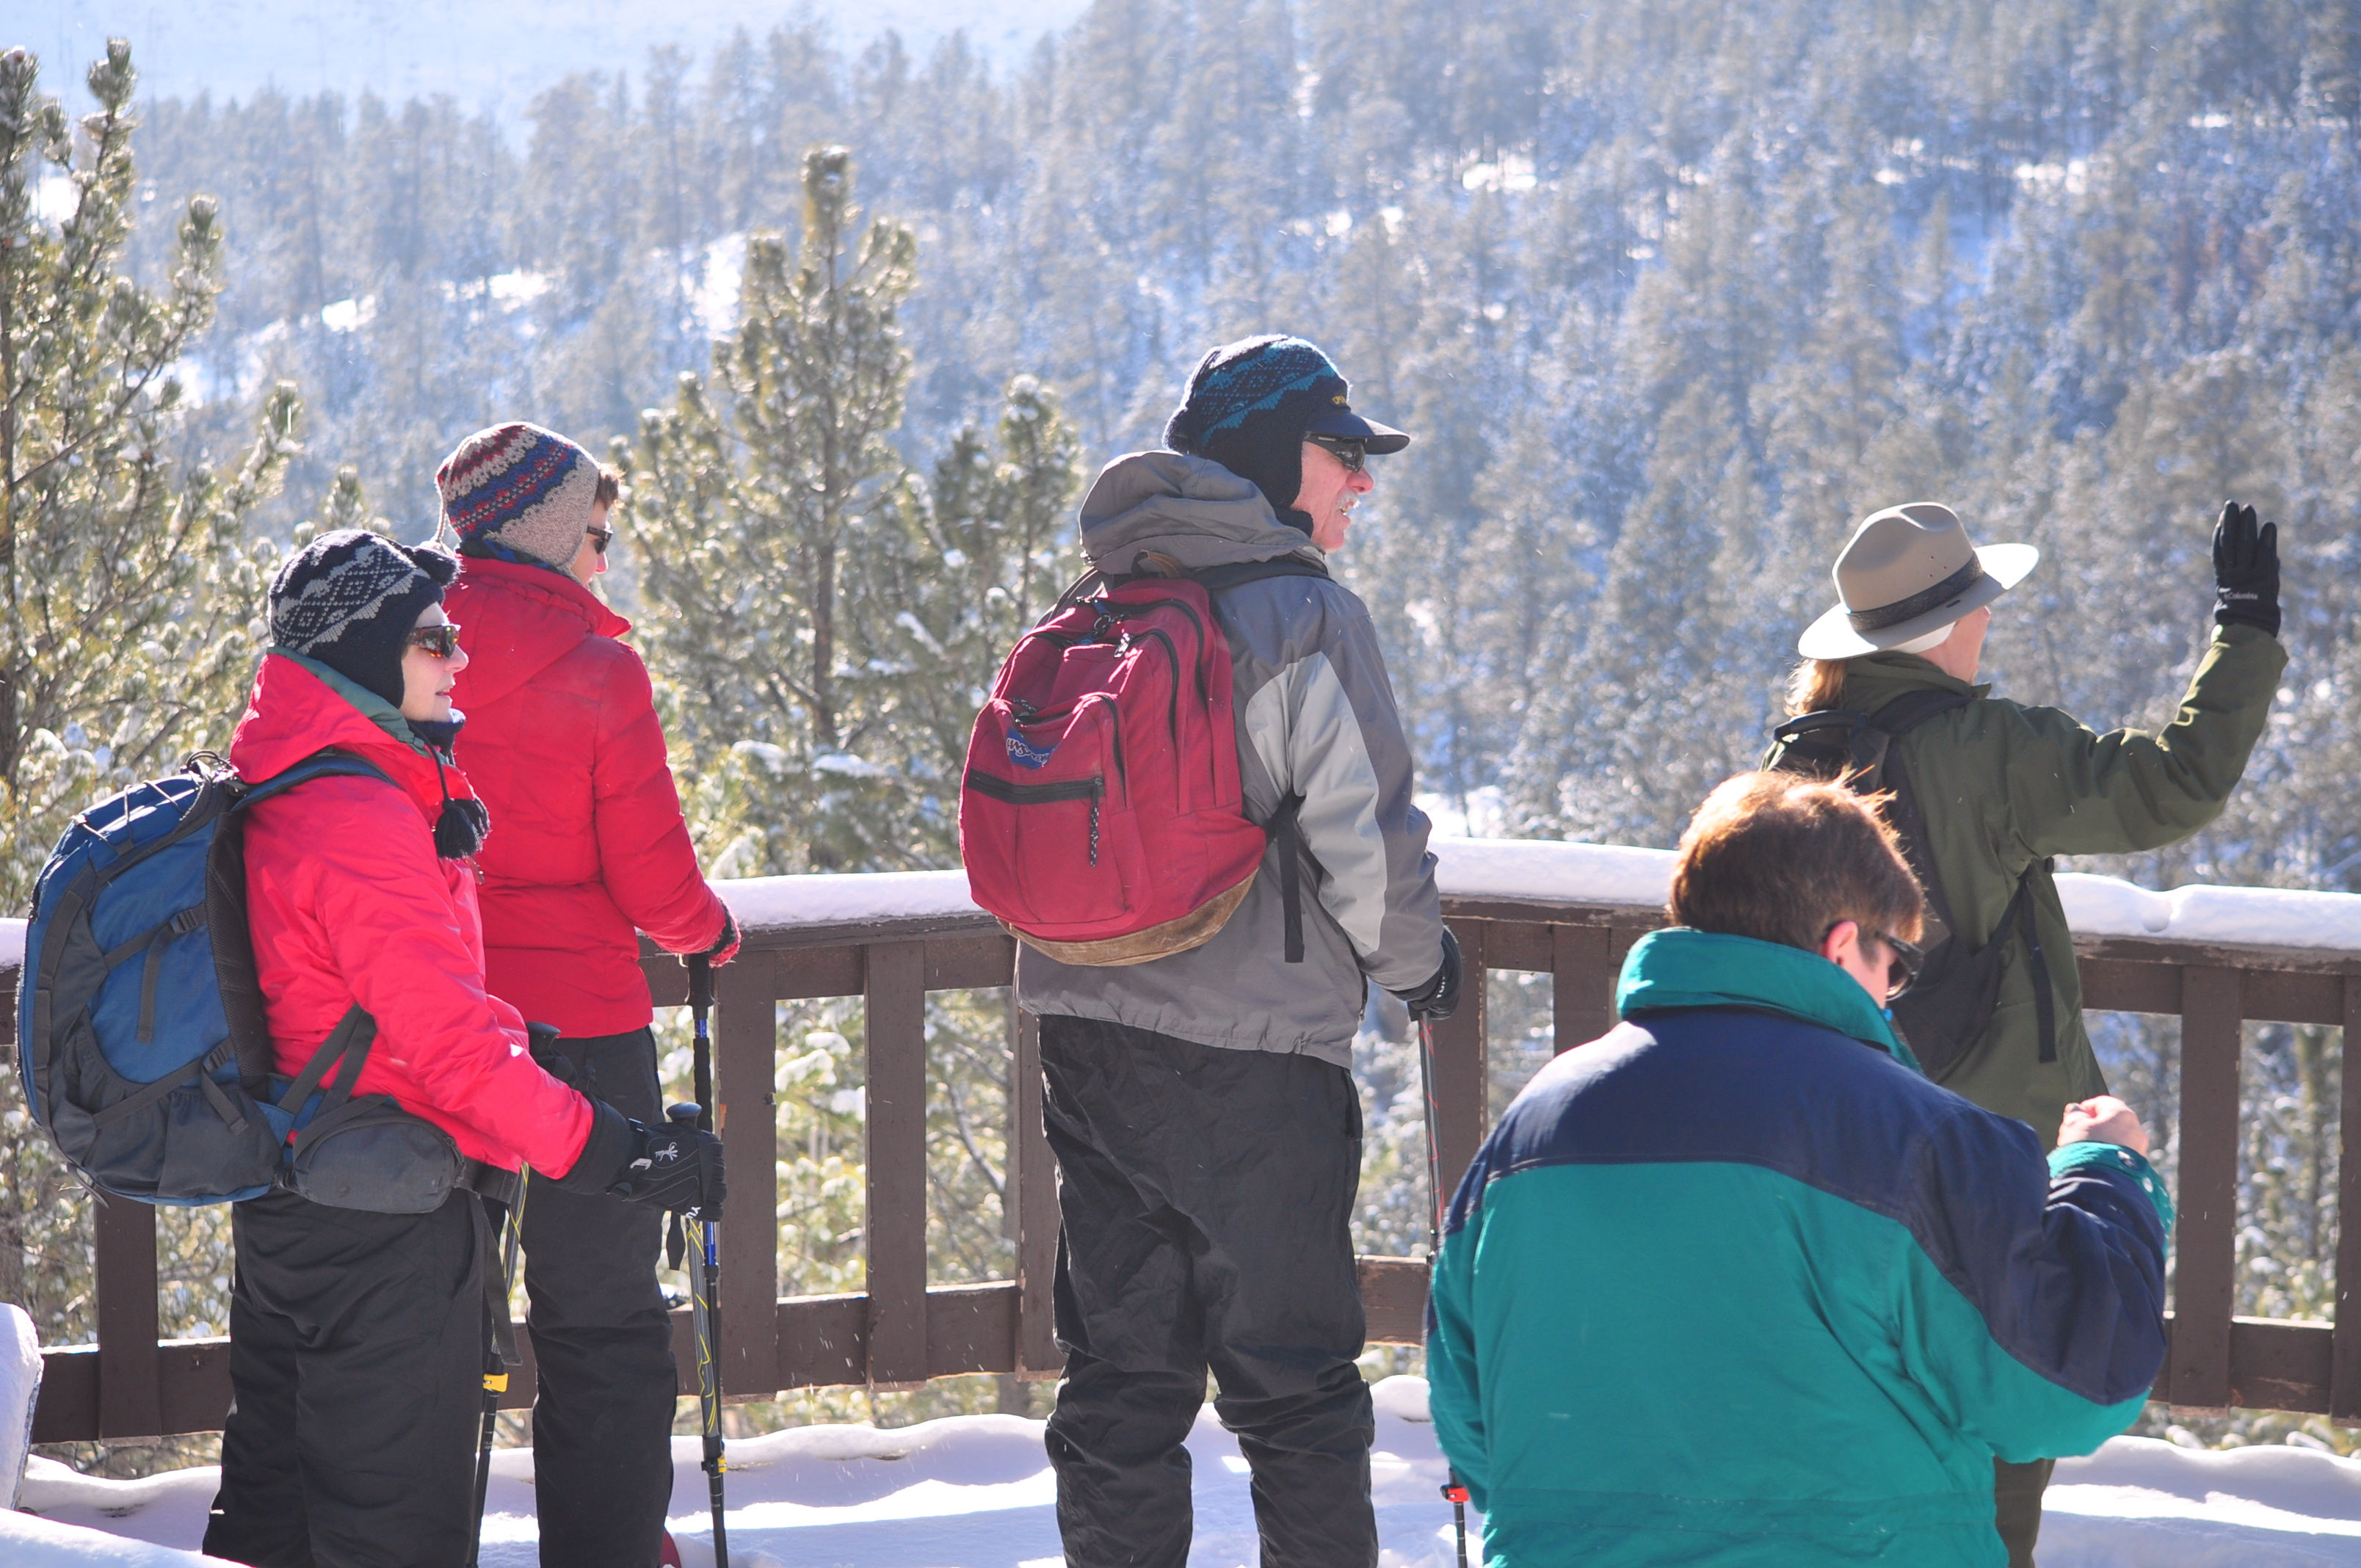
1783	858
1816	686
610	485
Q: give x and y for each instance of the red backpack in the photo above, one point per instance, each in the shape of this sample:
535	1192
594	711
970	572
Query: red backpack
1101	816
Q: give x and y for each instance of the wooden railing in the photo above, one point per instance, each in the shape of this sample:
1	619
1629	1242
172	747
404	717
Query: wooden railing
917	935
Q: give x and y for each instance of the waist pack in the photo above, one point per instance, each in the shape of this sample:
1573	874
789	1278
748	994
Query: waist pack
1946	1011
146	1055
1102	818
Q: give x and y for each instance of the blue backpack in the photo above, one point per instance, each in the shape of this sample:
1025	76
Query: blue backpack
144	1049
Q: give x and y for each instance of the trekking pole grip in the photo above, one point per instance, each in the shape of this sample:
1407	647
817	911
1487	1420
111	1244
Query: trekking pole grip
700	980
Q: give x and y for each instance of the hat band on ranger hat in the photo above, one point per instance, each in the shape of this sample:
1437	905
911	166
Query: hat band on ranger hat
1917	604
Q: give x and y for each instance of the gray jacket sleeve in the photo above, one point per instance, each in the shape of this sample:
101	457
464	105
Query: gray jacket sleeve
1327	729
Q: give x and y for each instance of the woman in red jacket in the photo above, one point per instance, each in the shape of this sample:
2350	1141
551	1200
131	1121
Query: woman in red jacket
357	1337
563	743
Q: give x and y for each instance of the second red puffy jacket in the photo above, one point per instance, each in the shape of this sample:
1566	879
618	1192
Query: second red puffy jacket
587	846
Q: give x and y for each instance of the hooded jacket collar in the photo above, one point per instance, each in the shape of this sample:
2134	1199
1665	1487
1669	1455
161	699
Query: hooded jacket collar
1872	680
1191	509
298	706
1684	967
518	620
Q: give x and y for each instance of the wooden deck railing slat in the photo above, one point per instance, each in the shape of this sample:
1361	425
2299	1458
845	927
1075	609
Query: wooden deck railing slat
2344	1387
745	1044
1031	1183
893	1228
1461	1075
2205	1236
1582	988
130	1391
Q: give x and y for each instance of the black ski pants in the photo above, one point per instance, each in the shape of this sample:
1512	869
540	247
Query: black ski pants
357	1362
1206	1196
601	1344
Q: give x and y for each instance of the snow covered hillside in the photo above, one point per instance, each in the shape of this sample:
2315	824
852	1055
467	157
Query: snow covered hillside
975	1492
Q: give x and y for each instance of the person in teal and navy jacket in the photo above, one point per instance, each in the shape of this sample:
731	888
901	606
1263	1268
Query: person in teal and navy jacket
1736	1285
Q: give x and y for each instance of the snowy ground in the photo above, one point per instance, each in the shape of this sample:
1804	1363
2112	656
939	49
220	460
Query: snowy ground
975	1492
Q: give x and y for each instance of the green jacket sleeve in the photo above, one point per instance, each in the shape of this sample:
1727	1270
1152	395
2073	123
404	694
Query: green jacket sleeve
2074	792
1451	1394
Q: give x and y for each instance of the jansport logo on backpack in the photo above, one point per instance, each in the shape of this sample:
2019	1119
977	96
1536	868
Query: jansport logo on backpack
1101	813
143	1043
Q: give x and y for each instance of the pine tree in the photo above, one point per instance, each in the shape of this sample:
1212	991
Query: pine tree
978	555
754	505
133	595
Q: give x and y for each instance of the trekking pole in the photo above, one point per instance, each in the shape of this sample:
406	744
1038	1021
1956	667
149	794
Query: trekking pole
1453	1492
496	1372
705	1287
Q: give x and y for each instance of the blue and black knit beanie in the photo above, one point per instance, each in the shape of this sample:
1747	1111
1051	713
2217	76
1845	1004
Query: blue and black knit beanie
1251	404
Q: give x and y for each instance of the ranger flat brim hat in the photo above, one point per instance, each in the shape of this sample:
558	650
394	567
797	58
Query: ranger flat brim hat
1908	571
1342	422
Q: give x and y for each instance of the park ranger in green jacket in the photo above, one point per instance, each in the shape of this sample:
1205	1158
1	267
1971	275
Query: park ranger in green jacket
2004	787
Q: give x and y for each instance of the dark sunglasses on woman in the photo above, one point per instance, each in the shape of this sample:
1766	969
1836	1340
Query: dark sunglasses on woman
440	640
600	538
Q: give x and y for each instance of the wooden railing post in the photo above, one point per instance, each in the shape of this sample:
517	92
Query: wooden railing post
1461	1082
131	1385
1032	1187
1583	984
2205	1237
893	1228
745	1040
2344	1375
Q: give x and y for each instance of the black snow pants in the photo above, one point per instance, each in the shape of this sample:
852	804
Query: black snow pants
601	1344
356	1362
1207	1197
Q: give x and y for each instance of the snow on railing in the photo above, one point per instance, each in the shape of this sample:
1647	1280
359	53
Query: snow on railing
1551	872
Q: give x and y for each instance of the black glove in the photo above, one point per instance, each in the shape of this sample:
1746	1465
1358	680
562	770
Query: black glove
725	946
1439	997
672	1167
2245	570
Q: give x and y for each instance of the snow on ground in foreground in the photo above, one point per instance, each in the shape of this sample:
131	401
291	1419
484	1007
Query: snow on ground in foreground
975	1492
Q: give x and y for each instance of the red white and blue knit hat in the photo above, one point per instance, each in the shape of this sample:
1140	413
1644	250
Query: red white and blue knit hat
521	487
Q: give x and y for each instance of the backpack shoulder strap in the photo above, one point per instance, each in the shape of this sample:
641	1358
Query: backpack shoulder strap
1913	708
328	762
1214	579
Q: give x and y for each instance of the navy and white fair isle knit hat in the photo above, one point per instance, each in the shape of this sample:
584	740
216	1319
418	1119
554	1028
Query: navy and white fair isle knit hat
517	491
1251	404
349	599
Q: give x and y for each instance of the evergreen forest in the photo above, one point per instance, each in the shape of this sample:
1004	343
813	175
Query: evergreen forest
1668	293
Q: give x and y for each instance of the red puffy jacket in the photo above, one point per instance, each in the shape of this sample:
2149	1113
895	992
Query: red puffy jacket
348	903
587	846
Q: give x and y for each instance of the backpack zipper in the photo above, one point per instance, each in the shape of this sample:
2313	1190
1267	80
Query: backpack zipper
1092	789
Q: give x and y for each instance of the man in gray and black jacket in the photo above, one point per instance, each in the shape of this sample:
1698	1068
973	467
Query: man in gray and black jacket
1201	1105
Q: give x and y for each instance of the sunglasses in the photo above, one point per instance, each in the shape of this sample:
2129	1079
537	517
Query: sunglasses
1350	450
440	640
1904	960
600	538
1903	967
